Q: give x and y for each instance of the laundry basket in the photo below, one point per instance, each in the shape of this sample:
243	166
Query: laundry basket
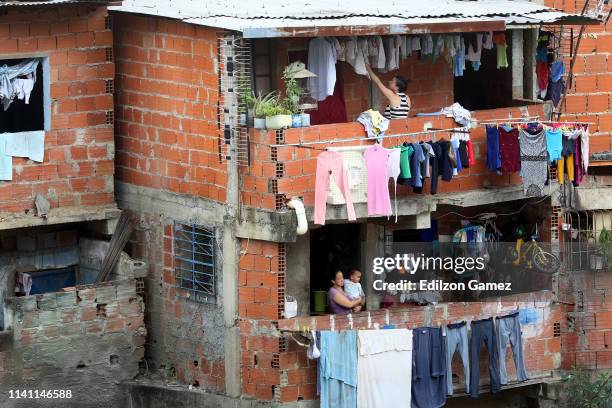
357	179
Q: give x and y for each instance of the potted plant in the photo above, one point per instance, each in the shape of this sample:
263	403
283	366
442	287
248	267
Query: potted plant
277	115
260	104
294	92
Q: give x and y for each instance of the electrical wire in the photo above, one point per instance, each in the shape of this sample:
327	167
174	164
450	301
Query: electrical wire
466	217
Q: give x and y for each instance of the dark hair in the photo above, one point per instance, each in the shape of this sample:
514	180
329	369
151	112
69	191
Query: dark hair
401	83
352	271
332	275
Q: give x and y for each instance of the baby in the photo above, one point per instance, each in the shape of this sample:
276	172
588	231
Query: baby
352	287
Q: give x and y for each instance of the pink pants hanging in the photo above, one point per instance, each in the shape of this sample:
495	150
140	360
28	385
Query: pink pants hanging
330	164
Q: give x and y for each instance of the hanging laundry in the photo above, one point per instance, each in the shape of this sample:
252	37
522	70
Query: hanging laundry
405	47
474	51
379	202
429	368
542	72
578	163
557	83
584	147
483	331
406	153
10	87
471	156
322	62
457	340
494	162
23	88
435	166
459	62
463	153
6	161
534	166
377	54
26	144
417	177
330	164
374	123
566	159
455	143
461	115
509	150
487	40
445	165
554	144
354	55
338	369
384	368
416	43
426	44
508	329
429	154
393	171
499	39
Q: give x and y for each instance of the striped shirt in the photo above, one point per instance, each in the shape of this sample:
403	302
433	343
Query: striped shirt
401	111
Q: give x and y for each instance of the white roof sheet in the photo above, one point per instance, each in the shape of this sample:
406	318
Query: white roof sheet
245	15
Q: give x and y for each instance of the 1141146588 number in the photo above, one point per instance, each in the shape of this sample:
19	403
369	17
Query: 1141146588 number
40	394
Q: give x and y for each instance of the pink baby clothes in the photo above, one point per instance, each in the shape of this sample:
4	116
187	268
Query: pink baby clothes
331	164
379	202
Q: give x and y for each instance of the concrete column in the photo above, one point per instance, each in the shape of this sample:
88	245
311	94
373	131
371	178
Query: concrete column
231	247
530	39
298	267
372	238
517	64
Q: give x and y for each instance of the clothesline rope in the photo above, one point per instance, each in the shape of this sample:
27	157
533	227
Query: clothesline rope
355	139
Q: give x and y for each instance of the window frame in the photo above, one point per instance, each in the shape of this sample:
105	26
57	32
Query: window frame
46	70
206	292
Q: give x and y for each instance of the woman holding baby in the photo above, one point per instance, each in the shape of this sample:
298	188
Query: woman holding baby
346	296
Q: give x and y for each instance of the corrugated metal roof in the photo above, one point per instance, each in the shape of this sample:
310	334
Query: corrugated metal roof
12	3
253	15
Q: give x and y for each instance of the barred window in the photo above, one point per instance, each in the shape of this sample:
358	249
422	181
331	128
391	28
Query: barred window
194	260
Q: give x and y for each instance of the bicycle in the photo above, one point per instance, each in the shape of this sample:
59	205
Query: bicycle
531	254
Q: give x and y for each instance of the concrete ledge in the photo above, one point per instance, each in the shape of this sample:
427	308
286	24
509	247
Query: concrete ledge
154	394
63	215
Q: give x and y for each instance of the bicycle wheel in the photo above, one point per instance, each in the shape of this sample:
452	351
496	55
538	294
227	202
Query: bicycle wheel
545	261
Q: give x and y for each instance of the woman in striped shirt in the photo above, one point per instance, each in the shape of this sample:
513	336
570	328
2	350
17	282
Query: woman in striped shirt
399	102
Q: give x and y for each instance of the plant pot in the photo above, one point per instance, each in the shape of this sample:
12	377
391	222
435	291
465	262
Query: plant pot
296	120
596	261
259	123
305	119
278	122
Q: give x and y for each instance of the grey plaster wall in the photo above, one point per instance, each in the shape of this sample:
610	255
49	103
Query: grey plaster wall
298	272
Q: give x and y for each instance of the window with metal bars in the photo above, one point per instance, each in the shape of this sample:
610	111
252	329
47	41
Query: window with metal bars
194	261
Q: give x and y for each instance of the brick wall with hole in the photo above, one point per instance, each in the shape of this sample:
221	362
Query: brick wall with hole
84	339
78	167
277	173
166	96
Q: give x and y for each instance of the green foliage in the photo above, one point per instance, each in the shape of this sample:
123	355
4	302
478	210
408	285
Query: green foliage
605	239
261	103
276	108
293	91
584	391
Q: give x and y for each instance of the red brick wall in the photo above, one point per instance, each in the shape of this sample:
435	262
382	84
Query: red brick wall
290	171
167	106
267	358
589	99
79	148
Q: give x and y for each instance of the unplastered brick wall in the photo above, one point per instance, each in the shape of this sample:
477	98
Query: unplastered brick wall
587	344
85	339
185	337
79	147
276	368
588	97
280	172
167	98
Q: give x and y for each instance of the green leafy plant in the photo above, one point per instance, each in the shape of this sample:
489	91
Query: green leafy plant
276	108
605	241
293	92
584	391
262	102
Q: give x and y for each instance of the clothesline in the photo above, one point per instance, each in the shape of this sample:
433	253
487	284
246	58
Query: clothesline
509	120
355	139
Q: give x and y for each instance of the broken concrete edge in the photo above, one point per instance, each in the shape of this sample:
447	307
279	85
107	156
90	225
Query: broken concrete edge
64	215
156	394
70	296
